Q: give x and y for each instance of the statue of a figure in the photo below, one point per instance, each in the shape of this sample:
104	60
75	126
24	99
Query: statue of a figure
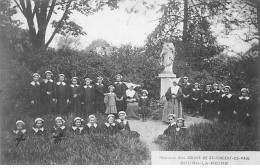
167	57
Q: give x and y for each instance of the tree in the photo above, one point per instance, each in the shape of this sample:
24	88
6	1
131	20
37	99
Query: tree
39	12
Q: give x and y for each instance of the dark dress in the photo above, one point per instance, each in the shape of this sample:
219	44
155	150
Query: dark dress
58	133
92	129
244	109
39	131
77	130
123	125
196	95
144	104
88	98
19	136
186	91
48	86
180	131
206	102
75	99
110	129
35	95
62	95
120	89
227	107
170	131
215	96
99	98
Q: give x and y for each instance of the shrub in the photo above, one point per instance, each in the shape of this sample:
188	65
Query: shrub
213	137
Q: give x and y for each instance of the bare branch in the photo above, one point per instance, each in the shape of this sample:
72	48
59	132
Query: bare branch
50	11
19	7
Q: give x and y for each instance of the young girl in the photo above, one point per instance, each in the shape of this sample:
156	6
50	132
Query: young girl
99	96
123	124
77	128
171	128
110	128
48	90
88	96
110	101
227	105
244	107
120	91
180	128
195	100
35	94
58	131
215	96
20	132
75	96
207	102
62	95
38	128
144	104
92	127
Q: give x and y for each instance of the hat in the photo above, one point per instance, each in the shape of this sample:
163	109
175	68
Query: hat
244	89
174	80
119	75
91	116
100	78
48	72
208	85
215	84
185	77
59	118
74	78
221	85
36	74
110	115
121	112
180	119
172	115
38	119
111	86
61	75
227	87
19	121
78	118
145	91
196	83
88	79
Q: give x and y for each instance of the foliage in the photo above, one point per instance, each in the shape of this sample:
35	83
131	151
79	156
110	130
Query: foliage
213	136
81	149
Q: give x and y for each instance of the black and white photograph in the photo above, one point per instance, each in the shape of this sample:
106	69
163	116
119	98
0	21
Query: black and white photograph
129	82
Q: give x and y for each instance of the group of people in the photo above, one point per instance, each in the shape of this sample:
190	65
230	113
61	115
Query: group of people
216	101
59	130
61	98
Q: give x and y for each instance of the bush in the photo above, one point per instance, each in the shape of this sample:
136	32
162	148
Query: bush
82	149
213	137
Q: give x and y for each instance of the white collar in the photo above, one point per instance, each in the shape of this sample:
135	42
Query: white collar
63	83
228	95
187	83
107	124
16	131
130	93
62	127
87	86
46	80
195	89
37	129
74	128
89	125
74	85
242	97
216	91
124	121
174	123
118	82
144	97
33	83
99	84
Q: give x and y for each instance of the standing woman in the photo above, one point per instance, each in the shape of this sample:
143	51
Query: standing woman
174	98
99	96
120	89
132	100
35	94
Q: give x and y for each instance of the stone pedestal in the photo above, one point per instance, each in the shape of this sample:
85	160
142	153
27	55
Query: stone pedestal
166	82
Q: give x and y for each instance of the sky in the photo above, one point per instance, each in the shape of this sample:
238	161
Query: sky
118	27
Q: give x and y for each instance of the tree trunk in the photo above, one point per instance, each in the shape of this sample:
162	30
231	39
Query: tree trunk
185	22
257	110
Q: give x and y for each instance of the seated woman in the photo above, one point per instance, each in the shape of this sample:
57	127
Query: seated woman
110	128
132	103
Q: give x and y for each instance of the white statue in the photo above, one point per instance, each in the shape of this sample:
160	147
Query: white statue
167	57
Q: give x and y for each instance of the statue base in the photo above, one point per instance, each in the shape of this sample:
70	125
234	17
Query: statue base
166	82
